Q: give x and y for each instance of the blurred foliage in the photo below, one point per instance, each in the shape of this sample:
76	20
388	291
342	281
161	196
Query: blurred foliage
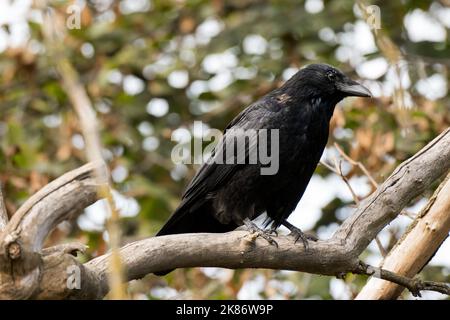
208	60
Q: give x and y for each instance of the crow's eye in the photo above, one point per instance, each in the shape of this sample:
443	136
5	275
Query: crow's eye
331	76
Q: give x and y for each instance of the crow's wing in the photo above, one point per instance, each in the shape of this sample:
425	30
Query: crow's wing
193	214
213	174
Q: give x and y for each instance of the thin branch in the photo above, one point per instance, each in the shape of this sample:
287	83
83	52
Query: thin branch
338	170
358	164
53	34
413	285
3	213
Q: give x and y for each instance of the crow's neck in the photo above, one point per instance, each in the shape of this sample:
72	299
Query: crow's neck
321	103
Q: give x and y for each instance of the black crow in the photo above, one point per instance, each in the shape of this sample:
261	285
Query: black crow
224	196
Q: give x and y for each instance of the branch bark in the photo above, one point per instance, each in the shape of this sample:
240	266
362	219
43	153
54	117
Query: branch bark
22	240
416	247
237	249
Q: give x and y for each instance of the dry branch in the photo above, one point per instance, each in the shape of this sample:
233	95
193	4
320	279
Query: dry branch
416	247
238	249
22	240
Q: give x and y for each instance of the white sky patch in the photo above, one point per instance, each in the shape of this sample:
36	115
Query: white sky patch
442	258
288	73
373	69
328	35
224	275
254	44
181	135
245	73
114	76
320	192
133	6
421	26
158	107
434	87
94	216
251	289
146	128
161	65
78	141
207	30
339	290
221	80
164	293
87	50
3	40
119	174
197	87
314	6
356	42
217	62
393	80
150	143
178	79
375	87
14	11
52	120
179	171
442	13
132	85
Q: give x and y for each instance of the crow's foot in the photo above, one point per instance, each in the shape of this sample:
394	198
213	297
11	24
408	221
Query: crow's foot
299	234
253	228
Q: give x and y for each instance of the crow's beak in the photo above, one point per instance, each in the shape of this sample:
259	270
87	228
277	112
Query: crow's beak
353	88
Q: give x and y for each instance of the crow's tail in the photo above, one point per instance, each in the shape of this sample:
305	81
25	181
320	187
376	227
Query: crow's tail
188	220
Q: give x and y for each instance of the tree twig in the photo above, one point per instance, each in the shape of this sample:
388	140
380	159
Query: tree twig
3	213
414	285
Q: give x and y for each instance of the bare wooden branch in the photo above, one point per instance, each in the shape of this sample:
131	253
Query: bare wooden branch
414	285
416	247
407	182
22	240
237	249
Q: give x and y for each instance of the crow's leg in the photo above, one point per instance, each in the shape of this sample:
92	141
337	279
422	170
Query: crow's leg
251	227
299	234
273	229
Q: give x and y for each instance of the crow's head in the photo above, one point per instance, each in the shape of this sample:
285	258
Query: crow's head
325	81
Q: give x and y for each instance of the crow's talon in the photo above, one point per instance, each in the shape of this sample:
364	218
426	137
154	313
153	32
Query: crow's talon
266	235
299	235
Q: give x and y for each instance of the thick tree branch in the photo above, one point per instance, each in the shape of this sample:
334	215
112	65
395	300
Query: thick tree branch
22	240
407	182
416	247
237	249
